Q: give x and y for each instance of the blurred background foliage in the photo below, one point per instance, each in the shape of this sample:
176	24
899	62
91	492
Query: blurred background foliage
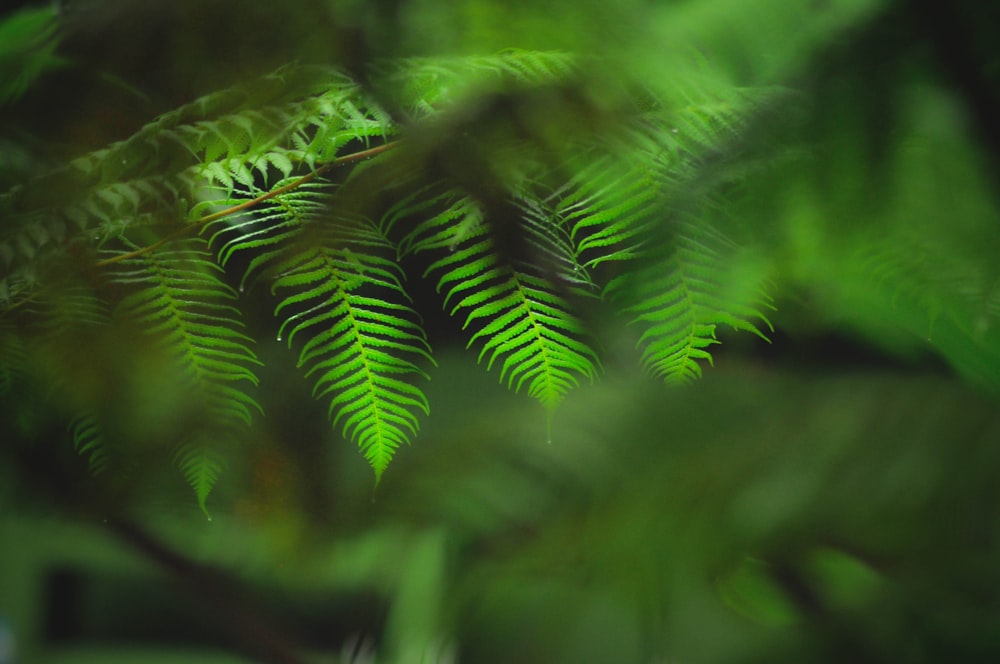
829	496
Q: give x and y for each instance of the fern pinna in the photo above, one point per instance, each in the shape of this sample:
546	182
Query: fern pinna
270	185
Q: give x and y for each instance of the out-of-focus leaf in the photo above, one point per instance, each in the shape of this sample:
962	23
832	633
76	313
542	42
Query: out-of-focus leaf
28	42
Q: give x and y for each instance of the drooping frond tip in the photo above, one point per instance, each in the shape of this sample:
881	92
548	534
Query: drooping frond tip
362	339
680	301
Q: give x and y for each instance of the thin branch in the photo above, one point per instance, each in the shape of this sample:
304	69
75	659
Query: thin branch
181	232
309	177
256	634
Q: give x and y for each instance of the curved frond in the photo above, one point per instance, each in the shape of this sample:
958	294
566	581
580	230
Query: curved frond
88	440
548	233
525	323
681	301
426	84
453	217
363	342
201	467
266	230
181	302
607	208
13	358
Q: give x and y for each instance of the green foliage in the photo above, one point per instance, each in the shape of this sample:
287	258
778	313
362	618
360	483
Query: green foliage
28	44
177	298
363	341
535	189
250	170
201	466
89	441
681	303
180	301
526	321
626	186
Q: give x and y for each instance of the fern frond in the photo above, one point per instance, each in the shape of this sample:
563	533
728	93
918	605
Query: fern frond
620	187
13	358
680	302
266	230
183	303
547	232
180	300
454	216
527	324
364	342
65	308
201	467
426	85
88	440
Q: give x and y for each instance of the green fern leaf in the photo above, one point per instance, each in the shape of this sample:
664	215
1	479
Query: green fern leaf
455	217
364	342
680	302
181	302
547	232
201	467
13	358
266	230
526	324
608	210
65	309
426	85
88	440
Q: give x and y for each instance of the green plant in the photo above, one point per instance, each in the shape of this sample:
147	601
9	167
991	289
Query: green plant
536	190
274	183
373	186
